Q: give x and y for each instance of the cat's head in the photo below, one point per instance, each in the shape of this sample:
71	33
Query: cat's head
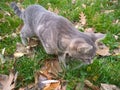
84	48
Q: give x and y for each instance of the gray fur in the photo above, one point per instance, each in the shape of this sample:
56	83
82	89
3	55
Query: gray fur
56	33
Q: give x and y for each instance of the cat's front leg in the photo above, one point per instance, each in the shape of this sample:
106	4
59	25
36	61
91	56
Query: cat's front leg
23	35
62	61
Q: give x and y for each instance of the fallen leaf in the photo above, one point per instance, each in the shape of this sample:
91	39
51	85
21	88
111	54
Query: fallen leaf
116	52
84	6
116	37
18	54
108	87
90	85
82	18
73	1
89	30
102	49
8	82
21	50
52	66
56	10
45	78
14	35
29	87
107	11
115	21
7	13
33	42
2	58
78	26
3	51
49	7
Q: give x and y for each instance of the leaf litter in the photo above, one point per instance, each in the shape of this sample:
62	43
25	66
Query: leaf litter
82	21
8	82
22	50
47	78
102	49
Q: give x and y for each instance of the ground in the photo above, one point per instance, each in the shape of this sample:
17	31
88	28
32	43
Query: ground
102	15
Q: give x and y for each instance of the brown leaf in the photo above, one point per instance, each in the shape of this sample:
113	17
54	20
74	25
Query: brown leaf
90	85
49	7
116	37
29	87
90	30
82	19
78	26
102	49
73	1
52	66
56	10
108	87
107	11
21	50
116	21
8	82
116	52
33	42
84	6
51	84
45	78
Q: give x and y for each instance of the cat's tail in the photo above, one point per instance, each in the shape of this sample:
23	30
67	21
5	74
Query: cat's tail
16	9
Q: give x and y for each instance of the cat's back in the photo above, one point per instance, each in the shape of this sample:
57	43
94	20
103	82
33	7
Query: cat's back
35	7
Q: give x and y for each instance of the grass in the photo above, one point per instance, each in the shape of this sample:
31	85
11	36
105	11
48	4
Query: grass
103	70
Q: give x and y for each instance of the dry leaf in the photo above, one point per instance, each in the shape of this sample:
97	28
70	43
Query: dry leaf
56	10
90	30
7	13
115	21
52	66
82	19
108	87
78	26
29	87
73	1
3	51
14	35
45	78
52	10
50	84
8	82
90	85
49	7
102	49
2	58
22	50
107	11
33	42
84	6
116	37
18	54
116	52
46	83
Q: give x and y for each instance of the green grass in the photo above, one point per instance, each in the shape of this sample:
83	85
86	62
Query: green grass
103	70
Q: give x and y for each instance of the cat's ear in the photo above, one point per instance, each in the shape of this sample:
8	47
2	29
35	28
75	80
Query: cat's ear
84	48
96	36
99	36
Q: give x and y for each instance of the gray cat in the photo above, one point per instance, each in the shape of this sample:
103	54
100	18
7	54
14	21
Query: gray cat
57	34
